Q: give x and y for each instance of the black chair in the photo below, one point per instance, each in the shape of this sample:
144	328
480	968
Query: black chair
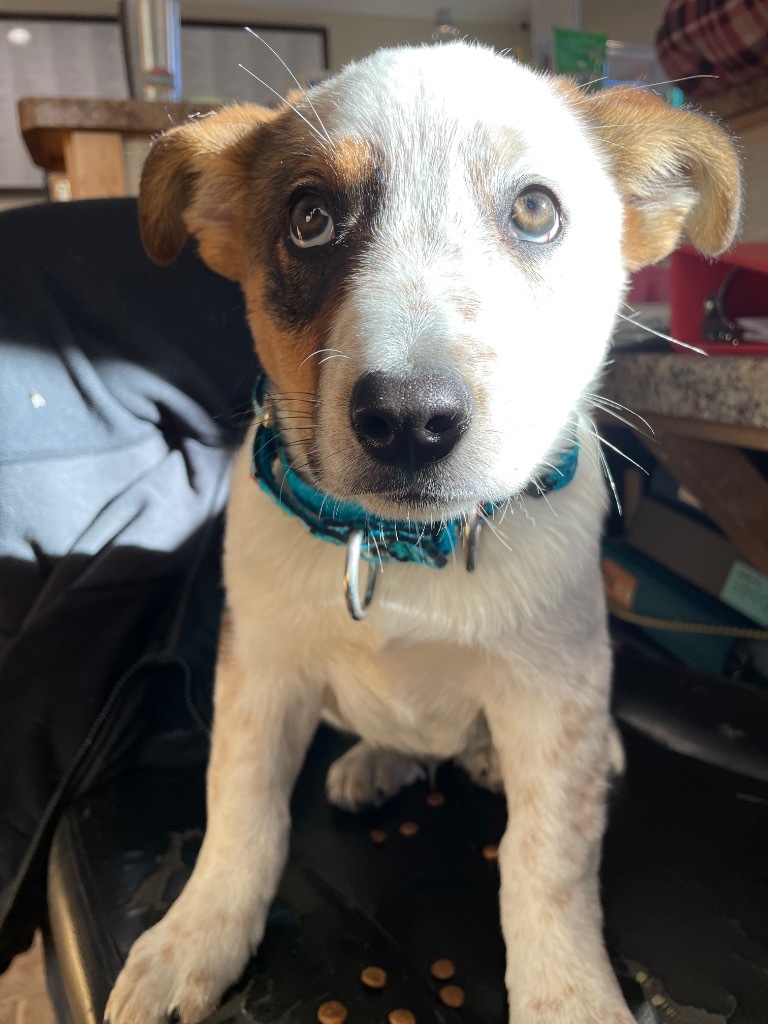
105	675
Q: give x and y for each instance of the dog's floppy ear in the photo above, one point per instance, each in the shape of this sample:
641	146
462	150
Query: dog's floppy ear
193	182
677	172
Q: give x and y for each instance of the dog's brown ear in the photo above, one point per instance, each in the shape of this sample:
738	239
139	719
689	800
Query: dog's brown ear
678	173
193	182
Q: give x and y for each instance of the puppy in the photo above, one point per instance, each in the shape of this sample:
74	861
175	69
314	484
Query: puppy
433	246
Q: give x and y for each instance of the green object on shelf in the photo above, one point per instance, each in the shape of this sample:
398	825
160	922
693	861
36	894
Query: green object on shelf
578	54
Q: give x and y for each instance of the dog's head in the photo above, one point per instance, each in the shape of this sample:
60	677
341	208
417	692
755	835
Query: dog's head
433	246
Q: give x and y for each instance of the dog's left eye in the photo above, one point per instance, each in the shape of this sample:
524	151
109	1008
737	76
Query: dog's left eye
535	217
310	222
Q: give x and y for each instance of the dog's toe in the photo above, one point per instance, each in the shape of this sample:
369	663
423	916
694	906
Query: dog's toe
369	776
175	976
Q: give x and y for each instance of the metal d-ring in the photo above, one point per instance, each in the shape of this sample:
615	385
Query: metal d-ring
357	609
470	536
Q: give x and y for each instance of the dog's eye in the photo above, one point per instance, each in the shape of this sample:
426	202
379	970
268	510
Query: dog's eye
535	217
311	224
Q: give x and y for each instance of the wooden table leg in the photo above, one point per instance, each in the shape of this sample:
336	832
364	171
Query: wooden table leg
93	163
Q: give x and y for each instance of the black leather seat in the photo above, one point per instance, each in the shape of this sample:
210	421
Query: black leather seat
684	882
107	641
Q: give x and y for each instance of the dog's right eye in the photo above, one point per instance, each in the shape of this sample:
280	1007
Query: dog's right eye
310	222
535	217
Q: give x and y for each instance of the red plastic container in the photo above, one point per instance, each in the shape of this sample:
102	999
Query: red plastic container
695	278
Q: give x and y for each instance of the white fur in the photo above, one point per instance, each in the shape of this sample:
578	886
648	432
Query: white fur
522	642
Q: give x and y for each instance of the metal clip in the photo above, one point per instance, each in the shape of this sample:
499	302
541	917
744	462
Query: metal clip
264	413
470	535
357	609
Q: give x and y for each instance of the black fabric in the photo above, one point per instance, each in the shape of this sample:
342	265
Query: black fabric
123	387
684	886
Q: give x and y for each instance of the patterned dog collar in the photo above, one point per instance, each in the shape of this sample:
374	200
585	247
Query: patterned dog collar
346	523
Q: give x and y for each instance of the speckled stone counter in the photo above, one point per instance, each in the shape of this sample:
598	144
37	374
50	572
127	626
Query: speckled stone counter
718	389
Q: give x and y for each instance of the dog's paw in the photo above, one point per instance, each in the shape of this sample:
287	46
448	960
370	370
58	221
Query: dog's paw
369	776
546	1011
177	972
578	1000
481	763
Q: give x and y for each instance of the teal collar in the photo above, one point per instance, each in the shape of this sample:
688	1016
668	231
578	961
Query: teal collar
337	520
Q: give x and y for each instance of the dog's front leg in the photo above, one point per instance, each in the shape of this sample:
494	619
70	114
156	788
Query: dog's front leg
551	732
265	715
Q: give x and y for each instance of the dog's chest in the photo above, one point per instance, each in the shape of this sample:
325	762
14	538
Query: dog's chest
414	698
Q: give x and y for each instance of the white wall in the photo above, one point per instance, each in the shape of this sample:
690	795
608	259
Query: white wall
349	36
628	21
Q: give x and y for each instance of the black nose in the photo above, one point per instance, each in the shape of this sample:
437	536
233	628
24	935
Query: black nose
410	421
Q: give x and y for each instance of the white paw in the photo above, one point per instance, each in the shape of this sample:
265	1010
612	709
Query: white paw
369	776
178	970
481	763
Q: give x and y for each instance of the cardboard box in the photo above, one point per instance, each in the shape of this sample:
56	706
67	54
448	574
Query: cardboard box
700	555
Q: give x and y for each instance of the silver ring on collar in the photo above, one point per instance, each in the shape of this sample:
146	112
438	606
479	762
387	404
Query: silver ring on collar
357	609
470	535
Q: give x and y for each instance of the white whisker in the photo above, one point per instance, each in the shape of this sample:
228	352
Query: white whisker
309	101
609	475
284	100
319	352
334	355
620	418
618	451
617	405
666	337
497	533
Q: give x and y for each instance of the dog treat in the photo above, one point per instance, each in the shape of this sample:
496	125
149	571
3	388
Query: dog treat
378	836
401	1017
435	798
408	828
374	977
452	996
443	969
332	1012
491	851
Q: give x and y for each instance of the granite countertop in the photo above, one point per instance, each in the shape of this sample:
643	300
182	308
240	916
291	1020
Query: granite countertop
718	389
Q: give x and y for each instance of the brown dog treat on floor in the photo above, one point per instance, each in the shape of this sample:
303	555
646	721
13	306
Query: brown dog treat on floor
408	828
332	1012
401	1017
443	969
378	836
374	977
435	799
452	996
491	851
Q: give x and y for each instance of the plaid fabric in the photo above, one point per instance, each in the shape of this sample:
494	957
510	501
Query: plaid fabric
726	38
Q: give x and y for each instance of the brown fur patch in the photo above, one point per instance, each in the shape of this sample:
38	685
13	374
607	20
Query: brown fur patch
200	980
284	354
554	1004
561	898
226	635
677	172
193	182
352	161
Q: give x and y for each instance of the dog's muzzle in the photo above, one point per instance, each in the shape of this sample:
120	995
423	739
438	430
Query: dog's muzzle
374	540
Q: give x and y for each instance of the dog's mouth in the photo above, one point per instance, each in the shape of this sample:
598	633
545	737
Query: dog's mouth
415	507
429	495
